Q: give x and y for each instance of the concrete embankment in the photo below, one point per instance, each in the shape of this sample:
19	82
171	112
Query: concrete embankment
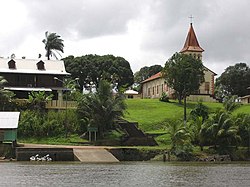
88	154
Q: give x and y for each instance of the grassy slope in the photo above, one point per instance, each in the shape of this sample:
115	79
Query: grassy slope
243	109
151	113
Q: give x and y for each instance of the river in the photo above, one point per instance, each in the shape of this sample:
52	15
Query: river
124	174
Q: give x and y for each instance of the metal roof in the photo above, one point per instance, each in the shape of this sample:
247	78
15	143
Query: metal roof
131	92
29	66
9	120
28	89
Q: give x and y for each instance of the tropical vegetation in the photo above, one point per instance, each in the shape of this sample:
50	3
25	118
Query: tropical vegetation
184	74
53	42
91	69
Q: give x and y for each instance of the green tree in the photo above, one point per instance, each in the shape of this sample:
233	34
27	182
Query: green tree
234	80
243	121
146	72
221	130
101	109
179	136
53	42
184	74
38	100
5	95
90	69
195	127
230	103
200	110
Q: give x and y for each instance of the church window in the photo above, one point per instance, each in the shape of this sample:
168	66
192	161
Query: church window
157	89
148	91
153	90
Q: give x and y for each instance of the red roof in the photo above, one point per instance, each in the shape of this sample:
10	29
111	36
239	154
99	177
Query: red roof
153	77
191	43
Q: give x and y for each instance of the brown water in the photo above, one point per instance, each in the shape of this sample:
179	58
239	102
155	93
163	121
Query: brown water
124	174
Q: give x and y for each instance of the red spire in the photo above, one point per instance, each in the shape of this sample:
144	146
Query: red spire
191	43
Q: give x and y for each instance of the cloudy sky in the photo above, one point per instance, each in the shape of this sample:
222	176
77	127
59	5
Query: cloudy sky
144	32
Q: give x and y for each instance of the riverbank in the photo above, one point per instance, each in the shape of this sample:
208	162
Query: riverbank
111	154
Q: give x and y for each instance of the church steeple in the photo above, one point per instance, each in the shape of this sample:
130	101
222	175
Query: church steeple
191	45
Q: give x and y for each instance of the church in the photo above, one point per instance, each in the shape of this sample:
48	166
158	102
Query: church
154	86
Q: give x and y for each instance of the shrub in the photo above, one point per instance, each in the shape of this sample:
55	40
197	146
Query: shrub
164	97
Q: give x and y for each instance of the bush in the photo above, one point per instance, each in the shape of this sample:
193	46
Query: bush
164	97
37	124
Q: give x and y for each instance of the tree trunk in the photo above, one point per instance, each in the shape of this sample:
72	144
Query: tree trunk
179	98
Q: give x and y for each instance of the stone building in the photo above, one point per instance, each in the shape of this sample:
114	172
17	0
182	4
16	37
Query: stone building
154	86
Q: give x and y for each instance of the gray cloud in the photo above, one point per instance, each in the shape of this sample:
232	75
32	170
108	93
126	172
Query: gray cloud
83	18
222	27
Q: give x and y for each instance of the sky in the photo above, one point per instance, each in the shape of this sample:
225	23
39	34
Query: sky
144	32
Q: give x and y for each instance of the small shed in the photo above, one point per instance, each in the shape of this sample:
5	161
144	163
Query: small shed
245	99
8	126
131	94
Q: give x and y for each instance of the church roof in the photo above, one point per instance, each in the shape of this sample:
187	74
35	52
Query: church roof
191	43
153	77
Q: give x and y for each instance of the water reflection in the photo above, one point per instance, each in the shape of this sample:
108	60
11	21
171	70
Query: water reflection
124	174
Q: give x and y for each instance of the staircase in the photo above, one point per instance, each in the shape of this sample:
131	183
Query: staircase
135	136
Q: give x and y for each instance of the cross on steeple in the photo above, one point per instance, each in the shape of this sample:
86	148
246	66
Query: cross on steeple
191	19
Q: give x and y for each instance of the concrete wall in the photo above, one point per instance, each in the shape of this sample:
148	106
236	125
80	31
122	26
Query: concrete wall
57	154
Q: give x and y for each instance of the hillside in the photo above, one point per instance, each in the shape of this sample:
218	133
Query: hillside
151	113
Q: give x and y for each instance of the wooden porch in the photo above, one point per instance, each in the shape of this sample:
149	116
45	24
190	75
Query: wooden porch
55	104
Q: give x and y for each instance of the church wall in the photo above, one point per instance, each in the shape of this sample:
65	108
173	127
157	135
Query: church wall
155	88
207	87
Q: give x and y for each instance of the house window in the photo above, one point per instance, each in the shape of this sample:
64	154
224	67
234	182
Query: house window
157	89
40	65
153	90
12	64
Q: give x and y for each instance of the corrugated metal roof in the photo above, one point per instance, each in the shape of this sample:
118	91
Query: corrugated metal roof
28	89
55	67
9	120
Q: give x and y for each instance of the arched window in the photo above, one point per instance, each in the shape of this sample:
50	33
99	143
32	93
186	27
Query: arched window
12	64
40	65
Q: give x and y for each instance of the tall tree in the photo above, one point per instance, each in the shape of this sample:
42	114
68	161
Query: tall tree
53	42
146	72
90	69
234	80
184	74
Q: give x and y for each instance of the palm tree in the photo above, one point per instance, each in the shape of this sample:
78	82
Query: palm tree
221	130
195	127
52	42
178	134
101	109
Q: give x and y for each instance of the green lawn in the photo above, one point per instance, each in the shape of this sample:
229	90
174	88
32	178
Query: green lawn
243	109
151	113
